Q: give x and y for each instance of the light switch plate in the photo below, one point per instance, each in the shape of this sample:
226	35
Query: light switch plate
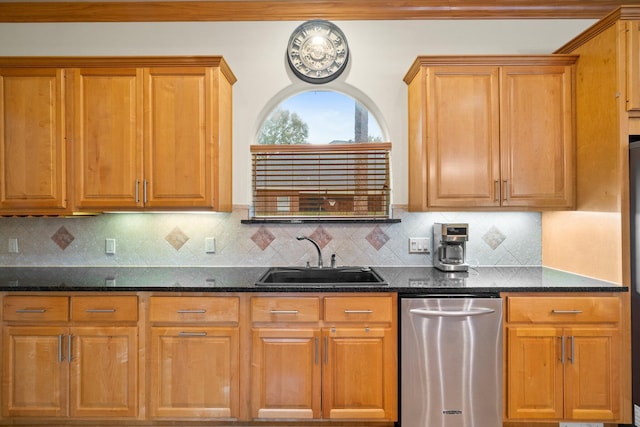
419	245
210	245
110	246
13	245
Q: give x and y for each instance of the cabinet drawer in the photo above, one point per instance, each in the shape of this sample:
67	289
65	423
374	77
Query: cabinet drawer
285	309
563	309
353	309
104	308
194	309
35	308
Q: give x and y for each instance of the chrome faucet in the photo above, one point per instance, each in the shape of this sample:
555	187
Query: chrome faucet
317	248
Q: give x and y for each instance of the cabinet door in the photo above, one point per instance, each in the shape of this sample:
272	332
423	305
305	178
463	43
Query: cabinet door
633	65
591	374
359	373
103	372
536	137
35	372
534	373
108	137
285	375
194	372
32	139
463	136
178	137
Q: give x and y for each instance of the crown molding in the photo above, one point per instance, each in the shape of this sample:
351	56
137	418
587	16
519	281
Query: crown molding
293	10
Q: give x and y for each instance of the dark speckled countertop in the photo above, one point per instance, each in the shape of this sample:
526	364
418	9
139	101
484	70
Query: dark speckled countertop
404	280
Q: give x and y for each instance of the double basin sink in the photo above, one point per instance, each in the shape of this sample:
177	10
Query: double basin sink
321	277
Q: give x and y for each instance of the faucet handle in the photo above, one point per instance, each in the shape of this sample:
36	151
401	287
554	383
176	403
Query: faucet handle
333	260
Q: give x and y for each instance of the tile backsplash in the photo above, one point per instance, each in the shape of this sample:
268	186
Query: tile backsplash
167	239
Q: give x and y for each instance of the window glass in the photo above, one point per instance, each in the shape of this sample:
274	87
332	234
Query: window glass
320	117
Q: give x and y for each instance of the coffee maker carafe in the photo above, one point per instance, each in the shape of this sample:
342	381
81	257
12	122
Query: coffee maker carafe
451	240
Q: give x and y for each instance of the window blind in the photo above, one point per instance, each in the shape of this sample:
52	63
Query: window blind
333	181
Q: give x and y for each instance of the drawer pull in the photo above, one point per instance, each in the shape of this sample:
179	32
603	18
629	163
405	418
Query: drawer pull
566	311
101	310
347	311
31	310
192	334
201	311
284	311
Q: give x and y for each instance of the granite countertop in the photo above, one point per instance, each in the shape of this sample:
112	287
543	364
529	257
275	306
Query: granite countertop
404	280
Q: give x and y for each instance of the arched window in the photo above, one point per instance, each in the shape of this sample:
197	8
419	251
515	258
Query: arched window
320	156
320	117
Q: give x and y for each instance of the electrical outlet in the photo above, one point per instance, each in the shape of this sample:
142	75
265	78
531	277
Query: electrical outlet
13	245
210	245
110	246
419	245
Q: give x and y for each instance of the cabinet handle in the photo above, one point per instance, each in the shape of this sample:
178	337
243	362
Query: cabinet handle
192	334
185	311
69	348
562	349
496	190
60	348
347	311
572	357
31	310
506	190
326	350
101	310
566	311
284	311
137	191
144	191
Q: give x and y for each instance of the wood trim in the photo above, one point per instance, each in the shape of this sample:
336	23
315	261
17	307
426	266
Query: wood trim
288	10
486	60
122	61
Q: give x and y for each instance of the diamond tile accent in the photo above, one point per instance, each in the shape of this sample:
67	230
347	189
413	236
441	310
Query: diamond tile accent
263	237
377	238
493	237
321	236
62	238
177	238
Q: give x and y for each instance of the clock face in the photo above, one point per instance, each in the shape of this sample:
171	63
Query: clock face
317	51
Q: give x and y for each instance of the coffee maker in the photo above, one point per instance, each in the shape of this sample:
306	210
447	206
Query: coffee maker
451	240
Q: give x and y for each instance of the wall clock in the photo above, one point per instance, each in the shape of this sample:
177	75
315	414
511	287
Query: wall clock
317	51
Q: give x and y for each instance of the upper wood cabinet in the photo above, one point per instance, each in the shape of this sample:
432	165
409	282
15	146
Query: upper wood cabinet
32	141
153	136
491	132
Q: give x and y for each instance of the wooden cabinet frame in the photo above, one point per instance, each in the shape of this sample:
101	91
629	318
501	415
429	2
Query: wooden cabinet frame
489	132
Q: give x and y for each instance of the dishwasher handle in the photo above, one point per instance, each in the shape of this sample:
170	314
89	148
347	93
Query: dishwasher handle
424	312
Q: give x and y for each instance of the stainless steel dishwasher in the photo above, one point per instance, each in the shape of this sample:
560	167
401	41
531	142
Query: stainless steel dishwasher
451	361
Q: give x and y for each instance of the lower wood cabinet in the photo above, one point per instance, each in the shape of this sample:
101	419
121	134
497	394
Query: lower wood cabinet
194	357
53	369
563	358
339	363
179	358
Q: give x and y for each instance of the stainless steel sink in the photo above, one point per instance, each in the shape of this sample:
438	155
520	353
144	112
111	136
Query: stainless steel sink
313	276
